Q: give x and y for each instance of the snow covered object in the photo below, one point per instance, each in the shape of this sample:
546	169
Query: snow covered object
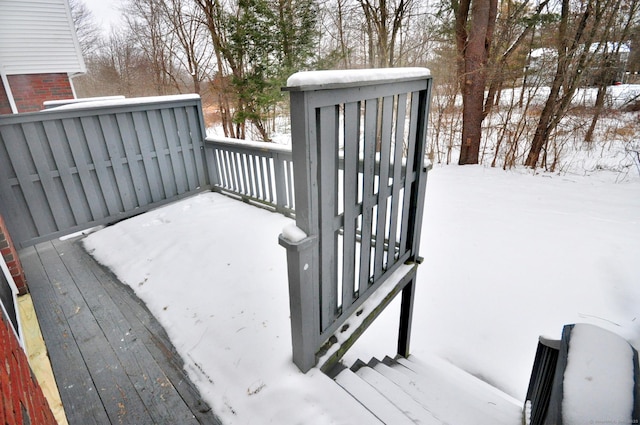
590	376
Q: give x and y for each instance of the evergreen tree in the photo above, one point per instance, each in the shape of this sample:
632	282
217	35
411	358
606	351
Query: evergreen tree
268	40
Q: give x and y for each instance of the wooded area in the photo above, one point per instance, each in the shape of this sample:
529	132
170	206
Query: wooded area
506	72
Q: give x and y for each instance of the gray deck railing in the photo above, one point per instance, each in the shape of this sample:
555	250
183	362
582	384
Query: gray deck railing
256	172
69	168
358	149
360	178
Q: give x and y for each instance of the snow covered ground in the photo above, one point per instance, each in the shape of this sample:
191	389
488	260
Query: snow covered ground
508	256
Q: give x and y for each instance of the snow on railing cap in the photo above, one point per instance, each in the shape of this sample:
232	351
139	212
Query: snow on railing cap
124	102
318	80
61	102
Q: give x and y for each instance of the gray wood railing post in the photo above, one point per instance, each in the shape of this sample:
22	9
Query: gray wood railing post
281	188
406	317
417	208
212	166
304	279
303	296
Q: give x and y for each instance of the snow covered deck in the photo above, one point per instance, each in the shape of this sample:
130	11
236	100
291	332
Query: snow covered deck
210	270
114	363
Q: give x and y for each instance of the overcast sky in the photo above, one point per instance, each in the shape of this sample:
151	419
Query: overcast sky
105	12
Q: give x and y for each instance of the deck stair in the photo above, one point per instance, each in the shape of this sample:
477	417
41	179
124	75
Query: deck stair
428	391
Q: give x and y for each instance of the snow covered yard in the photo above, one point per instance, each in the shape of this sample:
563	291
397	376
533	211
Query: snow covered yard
508	256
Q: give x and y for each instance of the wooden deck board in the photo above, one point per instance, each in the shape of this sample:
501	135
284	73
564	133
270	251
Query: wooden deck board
75	384
112	360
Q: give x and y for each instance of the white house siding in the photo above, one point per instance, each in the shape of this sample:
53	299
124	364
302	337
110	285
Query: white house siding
38	36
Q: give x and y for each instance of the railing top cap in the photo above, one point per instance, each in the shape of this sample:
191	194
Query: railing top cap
110	102
56	103
324	80
249	144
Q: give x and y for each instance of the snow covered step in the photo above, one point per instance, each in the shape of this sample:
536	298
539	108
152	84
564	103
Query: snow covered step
403	401
427	391
375	402
453	395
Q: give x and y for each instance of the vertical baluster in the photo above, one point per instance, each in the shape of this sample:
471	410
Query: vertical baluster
383	185
368	199
396	206
328	162
350	196
410	174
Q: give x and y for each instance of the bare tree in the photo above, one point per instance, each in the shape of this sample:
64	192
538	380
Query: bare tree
614	37
152	33
342	38
190	49
87	29
214	14
578	30
385	20
514	26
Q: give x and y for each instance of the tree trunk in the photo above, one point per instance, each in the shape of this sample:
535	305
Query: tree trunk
540	137
599	106
473	81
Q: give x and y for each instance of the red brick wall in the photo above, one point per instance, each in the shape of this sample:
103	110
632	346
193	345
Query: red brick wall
5	106
21	399
8	251
30	91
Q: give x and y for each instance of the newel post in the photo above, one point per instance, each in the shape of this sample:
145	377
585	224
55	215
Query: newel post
302	255
303	296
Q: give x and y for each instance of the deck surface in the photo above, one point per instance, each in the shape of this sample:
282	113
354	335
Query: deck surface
113	362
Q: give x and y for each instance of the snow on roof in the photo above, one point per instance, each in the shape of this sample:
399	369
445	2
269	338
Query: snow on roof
333	78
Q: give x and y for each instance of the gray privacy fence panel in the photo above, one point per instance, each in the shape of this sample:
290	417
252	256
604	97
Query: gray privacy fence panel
66	169
257	172
360	179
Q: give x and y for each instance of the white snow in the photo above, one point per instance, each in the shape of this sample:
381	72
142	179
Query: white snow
240	143
293	233
113	101
508	256
55	103
81	232
527	413
330	77
598	381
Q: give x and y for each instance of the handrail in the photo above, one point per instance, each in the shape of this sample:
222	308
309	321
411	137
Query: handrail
260	173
